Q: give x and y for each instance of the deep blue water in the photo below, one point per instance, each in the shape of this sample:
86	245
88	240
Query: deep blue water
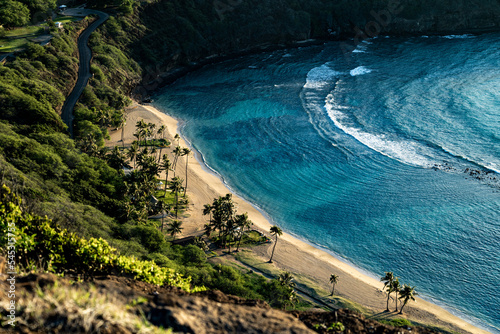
388	156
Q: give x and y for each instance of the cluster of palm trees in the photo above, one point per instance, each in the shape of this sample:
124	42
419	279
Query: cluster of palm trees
148	161
224	221
403	292
147	131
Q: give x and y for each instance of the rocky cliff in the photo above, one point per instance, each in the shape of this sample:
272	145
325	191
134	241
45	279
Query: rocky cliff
172	36
120	305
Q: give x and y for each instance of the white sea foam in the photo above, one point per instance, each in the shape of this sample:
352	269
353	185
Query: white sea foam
320	76
408	152
360	70
458	36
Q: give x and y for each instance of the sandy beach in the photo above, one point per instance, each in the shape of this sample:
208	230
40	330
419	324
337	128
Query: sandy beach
291	253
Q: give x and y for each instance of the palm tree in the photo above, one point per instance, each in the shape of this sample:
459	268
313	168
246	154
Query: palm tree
243	223
223	212
207	210
122	122
291	298
276	231
407	293
286	279
186	151
230	226
161	131
151	128
175	187
334	279
396	287
140	132
177	153
388	279
117	159
133	151
208	229
166	166
175	228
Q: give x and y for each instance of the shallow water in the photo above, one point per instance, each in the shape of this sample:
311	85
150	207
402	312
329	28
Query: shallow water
388	156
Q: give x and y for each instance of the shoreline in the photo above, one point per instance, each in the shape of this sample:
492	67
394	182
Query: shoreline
293	254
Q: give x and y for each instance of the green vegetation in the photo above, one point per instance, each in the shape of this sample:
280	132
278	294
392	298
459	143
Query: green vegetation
41	243
224	221
398	322
13	14
38	241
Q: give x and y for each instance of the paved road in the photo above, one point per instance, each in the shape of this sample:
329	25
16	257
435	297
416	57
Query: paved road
84	68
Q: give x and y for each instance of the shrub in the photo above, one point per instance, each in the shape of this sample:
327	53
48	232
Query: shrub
38	239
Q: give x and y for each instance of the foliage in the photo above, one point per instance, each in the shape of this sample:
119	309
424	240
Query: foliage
398	322
39	6
223	218
13	14
336	326
38	239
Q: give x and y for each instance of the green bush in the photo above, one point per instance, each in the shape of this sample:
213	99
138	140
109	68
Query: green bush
38	240
401	322
33	51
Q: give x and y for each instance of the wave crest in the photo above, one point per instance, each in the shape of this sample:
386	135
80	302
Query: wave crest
320	76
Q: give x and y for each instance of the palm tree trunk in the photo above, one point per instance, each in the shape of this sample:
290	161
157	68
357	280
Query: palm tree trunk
396	301
187	161
239	242
274	247
166	182
401	311
176	204
388	296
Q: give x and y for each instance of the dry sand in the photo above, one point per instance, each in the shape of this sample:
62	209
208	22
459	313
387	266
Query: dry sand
291	253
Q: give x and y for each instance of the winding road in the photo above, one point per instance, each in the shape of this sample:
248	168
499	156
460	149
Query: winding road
85	55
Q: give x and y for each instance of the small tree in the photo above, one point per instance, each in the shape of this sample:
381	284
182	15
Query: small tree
243	223
388	279
286	279
333	281
407	293
175	228
396	287
186	151
176	187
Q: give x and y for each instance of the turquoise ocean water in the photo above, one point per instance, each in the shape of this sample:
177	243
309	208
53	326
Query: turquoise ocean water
388	157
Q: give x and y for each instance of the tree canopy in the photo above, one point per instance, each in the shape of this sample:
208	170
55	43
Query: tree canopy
13	14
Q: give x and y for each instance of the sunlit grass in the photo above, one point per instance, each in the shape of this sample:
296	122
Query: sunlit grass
17	38
11	45
29	31
67	19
